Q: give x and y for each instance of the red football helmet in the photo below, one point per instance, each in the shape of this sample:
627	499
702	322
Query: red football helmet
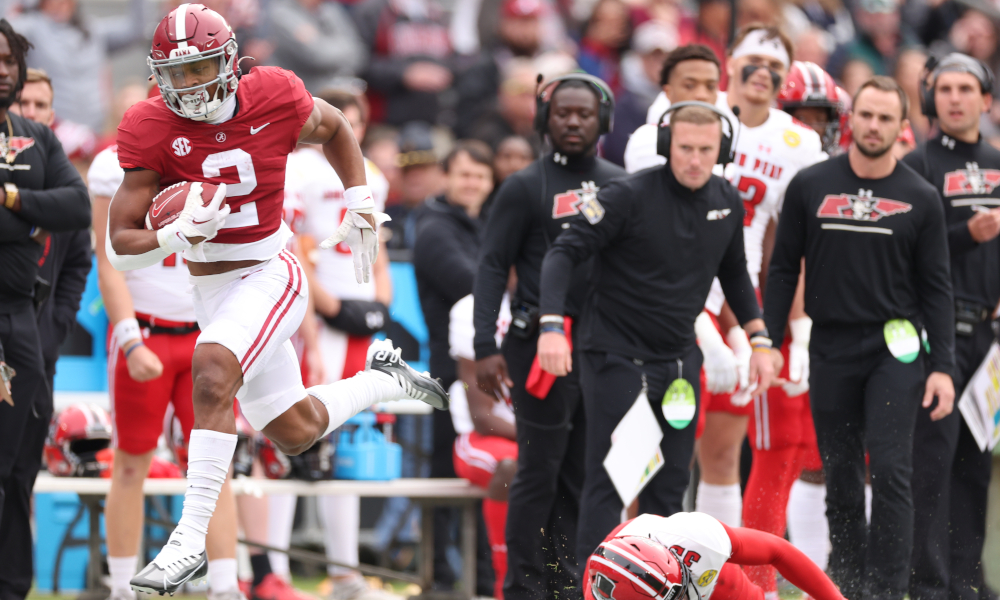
275	462
634	568
846	137
76	437
194	50
809	86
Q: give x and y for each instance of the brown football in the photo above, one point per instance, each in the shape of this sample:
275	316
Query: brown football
168	204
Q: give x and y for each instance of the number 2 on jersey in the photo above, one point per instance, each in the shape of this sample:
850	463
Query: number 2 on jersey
752	191
246	214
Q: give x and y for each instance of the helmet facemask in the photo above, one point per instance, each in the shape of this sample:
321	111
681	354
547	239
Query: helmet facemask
197	102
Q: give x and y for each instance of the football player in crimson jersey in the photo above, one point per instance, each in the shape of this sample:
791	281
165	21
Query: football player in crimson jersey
212	125
692	556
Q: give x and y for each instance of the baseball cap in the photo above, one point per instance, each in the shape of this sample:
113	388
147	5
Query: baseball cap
653	35
522	8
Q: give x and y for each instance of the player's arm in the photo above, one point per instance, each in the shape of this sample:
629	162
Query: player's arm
481	405
752	547
143	364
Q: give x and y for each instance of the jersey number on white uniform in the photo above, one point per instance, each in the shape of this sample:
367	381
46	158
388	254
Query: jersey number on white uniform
246	214
688	556
752	191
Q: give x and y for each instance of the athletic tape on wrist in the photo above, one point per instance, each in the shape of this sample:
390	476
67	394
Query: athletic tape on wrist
127	330
360	199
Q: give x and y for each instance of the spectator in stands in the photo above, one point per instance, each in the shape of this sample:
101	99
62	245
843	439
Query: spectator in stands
317	40
709	27
475	25
514	108
411	58
908	73
827	16
605	38
813	45
640	84
74	50
445	261
65	261
882	35
513	154
854	73
422	178
381	146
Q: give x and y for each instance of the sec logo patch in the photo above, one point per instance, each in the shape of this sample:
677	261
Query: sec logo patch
792	138
707	577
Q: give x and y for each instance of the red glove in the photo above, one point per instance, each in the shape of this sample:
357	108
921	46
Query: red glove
540	382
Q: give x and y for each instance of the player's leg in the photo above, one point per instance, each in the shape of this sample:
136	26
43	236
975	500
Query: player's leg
220	546
719	458
808	529
137	411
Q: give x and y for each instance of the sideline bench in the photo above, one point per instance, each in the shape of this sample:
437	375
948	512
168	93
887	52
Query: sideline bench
425	492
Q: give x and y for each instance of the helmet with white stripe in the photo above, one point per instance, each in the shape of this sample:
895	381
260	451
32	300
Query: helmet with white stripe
194	60
634	568
807	85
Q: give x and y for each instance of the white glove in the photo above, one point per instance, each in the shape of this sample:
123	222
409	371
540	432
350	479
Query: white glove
195	221
798	357
737	339
720	363
361	238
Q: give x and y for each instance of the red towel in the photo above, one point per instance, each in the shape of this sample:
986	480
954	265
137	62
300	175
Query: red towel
539	381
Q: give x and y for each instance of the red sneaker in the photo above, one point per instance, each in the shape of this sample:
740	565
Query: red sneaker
276	588
245	587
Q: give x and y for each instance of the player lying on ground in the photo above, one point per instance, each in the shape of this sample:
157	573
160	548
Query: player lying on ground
211	125
692	556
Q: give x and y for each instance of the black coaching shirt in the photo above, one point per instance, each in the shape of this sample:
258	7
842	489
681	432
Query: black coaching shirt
967	176
532	208
658	246
875	250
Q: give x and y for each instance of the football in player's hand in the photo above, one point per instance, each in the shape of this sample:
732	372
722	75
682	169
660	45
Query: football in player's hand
168	204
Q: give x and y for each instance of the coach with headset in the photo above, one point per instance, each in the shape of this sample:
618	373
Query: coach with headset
659	236
531	210
951	475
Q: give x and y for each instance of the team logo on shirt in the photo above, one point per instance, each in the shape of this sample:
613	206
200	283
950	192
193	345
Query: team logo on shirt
574	202
971	180
12	146
707	577
792	139
860	207
181	146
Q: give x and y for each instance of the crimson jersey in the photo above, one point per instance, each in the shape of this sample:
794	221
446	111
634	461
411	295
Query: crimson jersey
247	152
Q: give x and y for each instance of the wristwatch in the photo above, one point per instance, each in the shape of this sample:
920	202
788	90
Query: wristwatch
11	190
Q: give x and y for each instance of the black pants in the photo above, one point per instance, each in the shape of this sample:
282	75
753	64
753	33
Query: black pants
864	398
23	428
611	384
951	477
544	497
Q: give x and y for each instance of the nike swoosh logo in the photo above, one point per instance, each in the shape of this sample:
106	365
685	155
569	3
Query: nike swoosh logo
159	207
254	130
200	222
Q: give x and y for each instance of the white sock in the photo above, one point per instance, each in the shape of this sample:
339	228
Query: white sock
724	502
341	518
868	503
808	529
121	569
345	398
280	517
222	575
209	456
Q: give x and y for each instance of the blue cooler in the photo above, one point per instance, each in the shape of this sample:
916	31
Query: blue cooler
363	453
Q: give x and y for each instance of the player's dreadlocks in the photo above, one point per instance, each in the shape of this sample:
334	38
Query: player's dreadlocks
19	46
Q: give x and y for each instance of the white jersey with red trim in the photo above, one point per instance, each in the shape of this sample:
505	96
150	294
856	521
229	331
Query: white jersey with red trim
766	159
319	191
460	334
162	290
699	541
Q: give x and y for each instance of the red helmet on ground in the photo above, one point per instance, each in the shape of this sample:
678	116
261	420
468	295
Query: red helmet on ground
76	437
275	462
809	86
634	568
194	60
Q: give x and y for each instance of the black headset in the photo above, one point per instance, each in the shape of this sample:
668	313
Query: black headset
606	112
927	106
663	132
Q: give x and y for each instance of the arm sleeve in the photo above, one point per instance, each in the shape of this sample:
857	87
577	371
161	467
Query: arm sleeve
511	218
64	204
733	274
436	260
752	547
72	279
12	227
786	262
580	242
933	275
